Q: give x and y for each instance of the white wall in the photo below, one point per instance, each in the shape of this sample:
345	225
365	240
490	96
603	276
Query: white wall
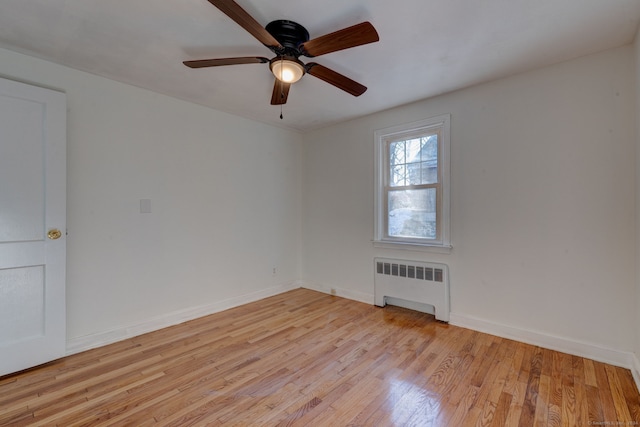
543	204
543	224
225	195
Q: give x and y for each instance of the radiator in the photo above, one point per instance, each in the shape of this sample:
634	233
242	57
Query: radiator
420	282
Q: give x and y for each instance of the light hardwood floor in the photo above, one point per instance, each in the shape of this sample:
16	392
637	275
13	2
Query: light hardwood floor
305	358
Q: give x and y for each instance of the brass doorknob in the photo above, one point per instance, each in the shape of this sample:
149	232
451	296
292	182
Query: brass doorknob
54	234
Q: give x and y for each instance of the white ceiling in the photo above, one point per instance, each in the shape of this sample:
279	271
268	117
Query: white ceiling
426	47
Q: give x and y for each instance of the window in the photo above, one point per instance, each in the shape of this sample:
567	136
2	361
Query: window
412	184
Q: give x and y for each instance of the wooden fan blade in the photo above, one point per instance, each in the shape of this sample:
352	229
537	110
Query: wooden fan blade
246	21
280	93
201	63
346	38
333	78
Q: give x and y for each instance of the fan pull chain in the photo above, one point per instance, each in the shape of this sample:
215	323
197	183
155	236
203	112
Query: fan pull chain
282	90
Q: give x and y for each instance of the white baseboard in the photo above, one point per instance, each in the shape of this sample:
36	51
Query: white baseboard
345	293
87	342
565	345
635	370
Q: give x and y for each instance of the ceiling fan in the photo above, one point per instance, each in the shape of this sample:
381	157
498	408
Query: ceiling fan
290	40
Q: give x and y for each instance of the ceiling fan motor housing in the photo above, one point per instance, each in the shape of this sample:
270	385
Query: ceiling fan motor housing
290	34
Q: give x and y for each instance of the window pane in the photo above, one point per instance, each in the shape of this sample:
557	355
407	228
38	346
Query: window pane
413	148
429	173
429	159
396	153
414	174
429	147
412	213
398	175
412	153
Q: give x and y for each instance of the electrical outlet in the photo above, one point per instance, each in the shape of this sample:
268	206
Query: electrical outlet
275	271
333	291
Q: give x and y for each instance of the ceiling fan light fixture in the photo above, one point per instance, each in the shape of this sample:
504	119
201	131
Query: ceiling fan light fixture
288	70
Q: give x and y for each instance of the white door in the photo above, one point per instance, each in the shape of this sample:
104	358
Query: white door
32	225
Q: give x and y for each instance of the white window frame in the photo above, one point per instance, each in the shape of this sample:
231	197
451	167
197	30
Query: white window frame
382	138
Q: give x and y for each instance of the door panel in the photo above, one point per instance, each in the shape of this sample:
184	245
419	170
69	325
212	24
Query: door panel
22	305
21	172
32	201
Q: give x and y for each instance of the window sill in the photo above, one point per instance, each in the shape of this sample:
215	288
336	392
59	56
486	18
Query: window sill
439	249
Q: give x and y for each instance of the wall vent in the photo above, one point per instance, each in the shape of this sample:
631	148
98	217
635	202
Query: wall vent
413	281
